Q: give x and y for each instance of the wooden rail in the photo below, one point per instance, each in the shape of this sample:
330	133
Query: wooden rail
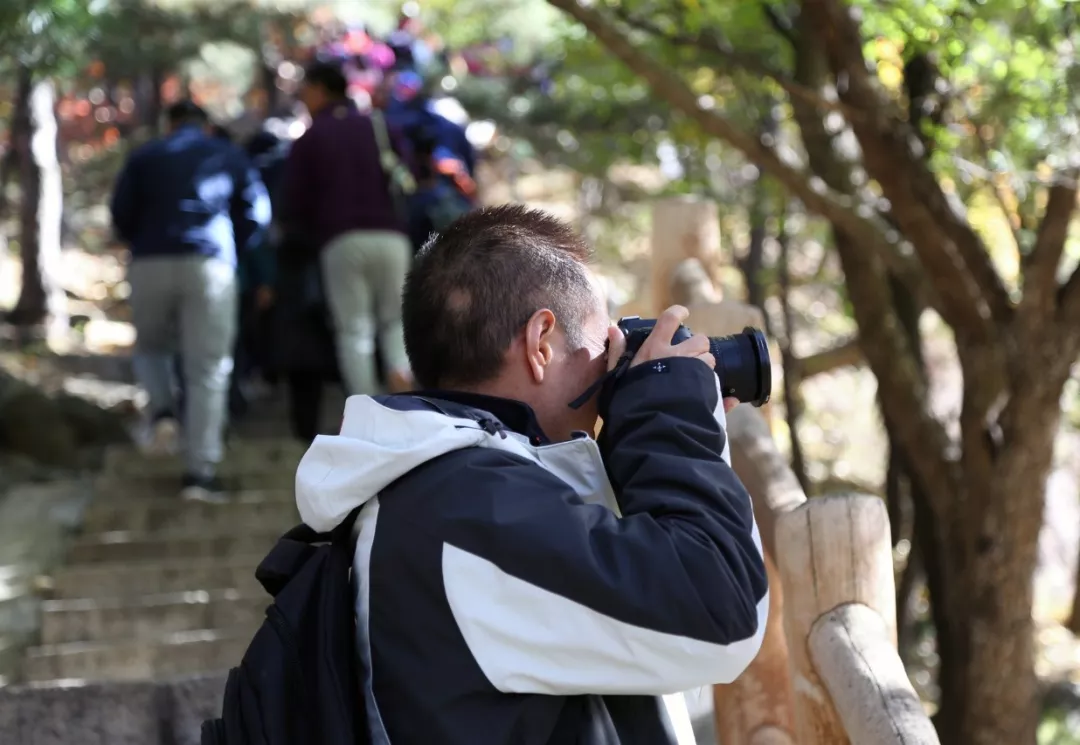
828	672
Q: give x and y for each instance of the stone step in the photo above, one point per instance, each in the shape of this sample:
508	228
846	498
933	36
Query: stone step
73	712
269	479
187	653
12	647
251	510
241	457
126	580
129	546
143	493
150	617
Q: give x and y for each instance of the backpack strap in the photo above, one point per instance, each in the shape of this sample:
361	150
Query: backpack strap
294	549
286	558
401	180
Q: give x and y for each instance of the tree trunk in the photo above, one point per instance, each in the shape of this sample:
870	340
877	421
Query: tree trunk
148	98
984	629
41	299
955	580
275	105
907	494
752	265
1074	617
792	394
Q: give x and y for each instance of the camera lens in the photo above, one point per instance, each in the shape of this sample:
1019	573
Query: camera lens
743	366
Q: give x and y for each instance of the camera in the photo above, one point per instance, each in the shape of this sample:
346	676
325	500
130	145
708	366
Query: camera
742	360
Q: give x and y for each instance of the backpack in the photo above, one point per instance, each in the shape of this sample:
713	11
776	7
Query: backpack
297	682
446	205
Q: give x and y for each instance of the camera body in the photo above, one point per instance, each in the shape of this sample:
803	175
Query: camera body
742	360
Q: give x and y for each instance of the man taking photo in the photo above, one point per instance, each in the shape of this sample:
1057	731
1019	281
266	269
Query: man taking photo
519	583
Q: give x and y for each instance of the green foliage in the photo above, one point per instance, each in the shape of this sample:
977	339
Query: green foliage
45	34
1059	728
531	25
1013	74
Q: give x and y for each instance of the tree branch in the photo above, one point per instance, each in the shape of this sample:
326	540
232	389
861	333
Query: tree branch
1040	265
711	43
995	188
974	300
847	354
896	364
667	86
779	24
863	251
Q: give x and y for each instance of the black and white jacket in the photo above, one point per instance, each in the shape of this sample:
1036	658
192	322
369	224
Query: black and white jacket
514	591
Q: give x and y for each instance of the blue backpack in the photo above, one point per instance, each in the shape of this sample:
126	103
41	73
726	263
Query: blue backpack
297	682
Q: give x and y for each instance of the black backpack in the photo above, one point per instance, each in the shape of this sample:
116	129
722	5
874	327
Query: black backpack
297	682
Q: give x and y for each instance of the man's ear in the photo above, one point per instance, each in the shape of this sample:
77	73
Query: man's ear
538	337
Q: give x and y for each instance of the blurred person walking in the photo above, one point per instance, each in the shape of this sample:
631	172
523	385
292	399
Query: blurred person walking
343	193
187	205
256	272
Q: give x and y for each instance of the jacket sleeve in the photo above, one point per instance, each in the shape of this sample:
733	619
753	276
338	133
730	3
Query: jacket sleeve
250	209
125	200
554	596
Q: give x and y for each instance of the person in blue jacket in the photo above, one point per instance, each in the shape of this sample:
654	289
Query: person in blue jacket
187	206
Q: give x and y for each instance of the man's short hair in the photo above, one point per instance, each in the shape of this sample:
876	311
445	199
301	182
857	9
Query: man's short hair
474	286
329	76
186	112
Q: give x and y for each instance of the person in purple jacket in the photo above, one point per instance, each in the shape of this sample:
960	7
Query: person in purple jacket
336	192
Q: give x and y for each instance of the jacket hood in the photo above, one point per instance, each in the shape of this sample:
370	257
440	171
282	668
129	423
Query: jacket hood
377	445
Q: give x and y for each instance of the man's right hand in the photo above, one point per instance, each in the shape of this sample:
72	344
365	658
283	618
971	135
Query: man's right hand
658	344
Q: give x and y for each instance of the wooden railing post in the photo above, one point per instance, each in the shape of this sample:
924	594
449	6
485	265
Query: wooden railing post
855	656
840	616
828	672
682	228
756	709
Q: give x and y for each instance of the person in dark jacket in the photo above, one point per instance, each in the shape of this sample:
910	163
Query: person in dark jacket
518	582
338	194
256	275
188	206
411	109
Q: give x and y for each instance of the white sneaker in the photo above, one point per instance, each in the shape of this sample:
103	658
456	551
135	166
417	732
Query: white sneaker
161	437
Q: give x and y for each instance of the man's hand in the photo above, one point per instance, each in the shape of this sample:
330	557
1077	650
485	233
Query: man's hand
658	344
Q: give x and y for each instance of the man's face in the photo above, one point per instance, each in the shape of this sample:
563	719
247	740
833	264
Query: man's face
570	370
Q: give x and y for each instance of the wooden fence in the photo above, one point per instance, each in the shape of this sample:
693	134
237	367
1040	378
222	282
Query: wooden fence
828	672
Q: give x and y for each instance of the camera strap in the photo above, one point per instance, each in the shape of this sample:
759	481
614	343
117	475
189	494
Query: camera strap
605	381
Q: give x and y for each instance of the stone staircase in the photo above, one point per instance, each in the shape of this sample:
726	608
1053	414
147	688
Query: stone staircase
153	600
155	587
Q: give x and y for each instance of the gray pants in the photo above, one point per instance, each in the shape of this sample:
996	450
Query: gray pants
187	305
363	272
